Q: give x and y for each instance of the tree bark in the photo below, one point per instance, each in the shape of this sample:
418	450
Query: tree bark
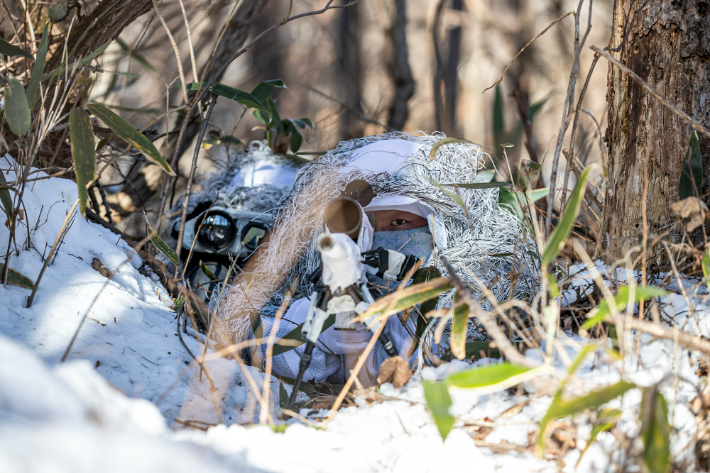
350	90
110	17
668	47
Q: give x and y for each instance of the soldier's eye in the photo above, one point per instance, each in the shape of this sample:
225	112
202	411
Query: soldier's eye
398	222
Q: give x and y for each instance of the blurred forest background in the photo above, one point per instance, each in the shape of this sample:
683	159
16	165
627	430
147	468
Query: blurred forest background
351	72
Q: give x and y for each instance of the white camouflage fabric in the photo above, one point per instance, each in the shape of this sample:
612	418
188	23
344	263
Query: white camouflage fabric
467	241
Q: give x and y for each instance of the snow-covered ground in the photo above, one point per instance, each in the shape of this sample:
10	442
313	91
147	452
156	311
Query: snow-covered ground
119	400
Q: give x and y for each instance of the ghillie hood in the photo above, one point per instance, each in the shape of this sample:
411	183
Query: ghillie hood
488	244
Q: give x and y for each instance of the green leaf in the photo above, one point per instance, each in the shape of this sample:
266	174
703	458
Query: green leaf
499	134
454	196
487	174
57	12
481	185
459	328
485	375
440	143
15	277
207	271
593	400
163	247
554	288
474	349
295	335
83	152
438	402
655	431
82	62
38	68
136	57
508	200
264	89
17	109
5	198
129	134
295	141
500	255
301	122
261	115
424	274
706	267
622	299
598	429
8	49
691	178
564	227
275	118
244	98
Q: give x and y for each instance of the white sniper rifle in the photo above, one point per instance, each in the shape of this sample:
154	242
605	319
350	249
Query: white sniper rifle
343	270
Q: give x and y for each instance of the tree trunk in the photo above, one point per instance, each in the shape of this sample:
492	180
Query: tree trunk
350	88
400	70
668	47
104	23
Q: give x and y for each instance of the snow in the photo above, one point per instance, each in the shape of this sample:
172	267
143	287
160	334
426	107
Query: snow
109	407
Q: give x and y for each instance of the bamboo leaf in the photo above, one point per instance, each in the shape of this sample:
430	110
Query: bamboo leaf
8	49
438	402
17	109
244	98
440	143
5	198
15	277
459	327
57	12
264	89
485	375
593	400
691	178
655	431
564	227
596	430
129	134
454	196
295	141
622	299
509	201
136	57
163	247
408	297
481	185
207	271
706	267
38	68
83	152
487	174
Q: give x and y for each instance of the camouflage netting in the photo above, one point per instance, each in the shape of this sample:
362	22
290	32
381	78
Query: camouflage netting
467	244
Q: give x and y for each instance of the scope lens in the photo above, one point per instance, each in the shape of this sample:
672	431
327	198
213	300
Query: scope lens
217	232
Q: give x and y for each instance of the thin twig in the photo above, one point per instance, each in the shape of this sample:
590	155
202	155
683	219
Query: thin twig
566	116
523	48
188	191
175	49
270	351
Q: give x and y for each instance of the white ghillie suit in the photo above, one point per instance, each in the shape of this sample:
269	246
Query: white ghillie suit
467	245
233	184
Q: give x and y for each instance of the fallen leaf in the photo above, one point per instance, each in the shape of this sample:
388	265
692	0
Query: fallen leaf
693	208
394	370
